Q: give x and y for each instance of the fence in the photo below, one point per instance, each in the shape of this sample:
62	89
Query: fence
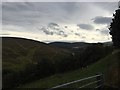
98	81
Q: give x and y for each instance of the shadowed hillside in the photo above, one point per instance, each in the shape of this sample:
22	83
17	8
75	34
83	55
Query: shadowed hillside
21	57
25	60
108	66
66	45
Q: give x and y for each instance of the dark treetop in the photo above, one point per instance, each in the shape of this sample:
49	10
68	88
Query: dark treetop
115	28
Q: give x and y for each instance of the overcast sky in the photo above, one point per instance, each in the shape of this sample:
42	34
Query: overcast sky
58	21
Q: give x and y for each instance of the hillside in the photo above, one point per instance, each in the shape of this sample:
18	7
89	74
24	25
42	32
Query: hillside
22	56
108	65
69	45
77	46
14	47
20	50
25	60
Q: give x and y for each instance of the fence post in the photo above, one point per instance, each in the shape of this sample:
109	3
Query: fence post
100	81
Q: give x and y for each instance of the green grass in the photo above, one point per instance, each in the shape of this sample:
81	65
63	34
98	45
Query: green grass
21	55
18	53
102	66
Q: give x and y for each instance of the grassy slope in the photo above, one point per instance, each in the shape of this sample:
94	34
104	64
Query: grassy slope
19	52
108	66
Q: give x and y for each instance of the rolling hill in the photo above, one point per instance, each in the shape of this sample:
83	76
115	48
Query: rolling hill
22	51
25	60
24	56
77	46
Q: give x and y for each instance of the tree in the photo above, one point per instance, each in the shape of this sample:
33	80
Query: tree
115	28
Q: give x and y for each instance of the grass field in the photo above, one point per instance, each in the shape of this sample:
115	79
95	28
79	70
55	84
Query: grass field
107	65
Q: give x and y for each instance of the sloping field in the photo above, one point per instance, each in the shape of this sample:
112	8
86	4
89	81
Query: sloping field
109	66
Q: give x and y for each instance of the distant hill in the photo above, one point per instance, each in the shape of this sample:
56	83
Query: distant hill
108	43
77	45
70	46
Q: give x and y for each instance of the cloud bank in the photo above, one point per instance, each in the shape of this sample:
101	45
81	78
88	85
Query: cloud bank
57	20
85	26
102	20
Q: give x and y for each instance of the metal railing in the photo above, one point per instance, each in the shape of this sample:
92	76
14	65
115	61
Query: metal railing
98	81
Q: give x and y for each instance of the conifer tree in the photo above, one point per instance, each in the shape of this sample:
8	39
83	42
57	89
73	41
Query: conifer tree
115	28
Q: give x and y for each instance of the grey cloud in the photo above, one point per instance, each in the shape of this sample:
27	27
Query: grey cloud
93	38
30	13
83	37
77	34
54	26
97	29
108	6
57	29
105	31
46	31
66	26
85	26
102	20
22	13
61	33
53	29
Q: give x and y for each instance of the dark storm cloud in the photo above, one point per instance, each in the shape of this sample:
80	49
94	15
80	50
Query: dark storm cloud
85	26
102	20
